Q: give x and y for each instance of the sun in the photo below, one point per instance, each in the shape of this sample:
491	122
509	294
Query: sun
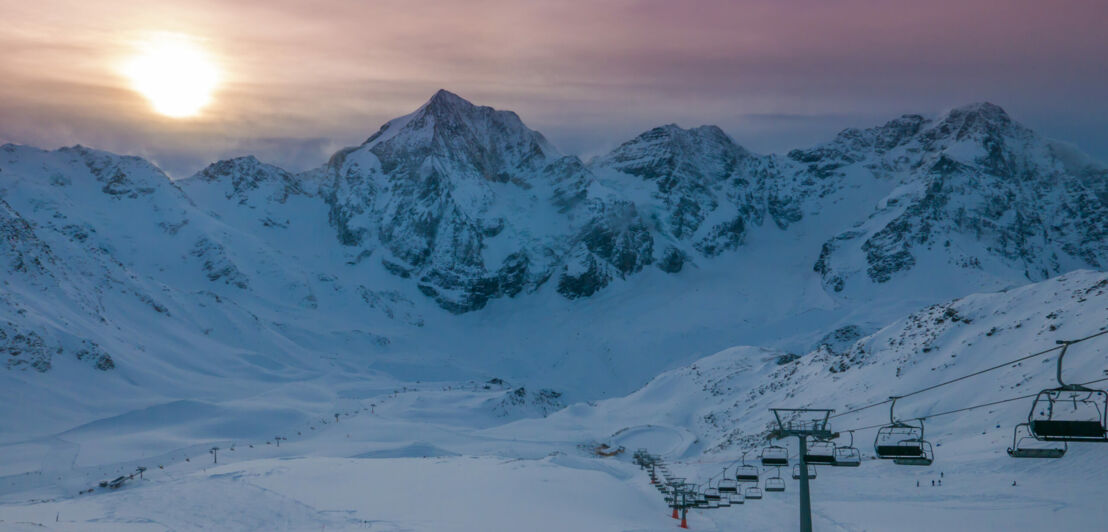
174	73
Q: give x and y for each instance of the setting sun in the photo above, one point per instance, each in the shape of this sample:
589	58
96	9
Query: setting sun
174	73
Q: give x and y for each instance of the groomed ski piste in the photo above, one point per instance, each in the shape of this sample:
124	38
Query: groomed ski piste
364	451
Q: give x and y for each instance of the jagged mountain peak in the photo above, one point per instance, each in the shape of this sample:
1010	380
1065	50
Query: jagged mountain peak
239	176
677	135
670	151
246	166
444	99
458	138
976	122
986	111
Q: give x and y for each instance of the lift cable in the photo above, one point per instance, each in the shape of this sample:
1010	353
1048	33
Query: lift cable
974	374
964	409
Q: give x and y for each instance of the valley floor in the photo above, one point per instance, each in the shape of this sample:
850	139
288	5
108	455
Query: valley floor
380	470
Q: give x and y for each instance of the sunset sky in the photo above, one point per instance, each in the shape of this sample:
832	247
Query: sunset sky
296	80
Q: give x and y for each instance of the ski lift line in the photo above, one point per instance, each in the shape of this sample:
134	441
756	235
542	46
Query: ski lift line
965	409
974	374
952	381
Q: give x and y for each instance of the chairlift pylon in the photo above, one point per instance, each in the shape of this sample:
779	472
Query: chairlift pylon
1022	448
1070	412
902	442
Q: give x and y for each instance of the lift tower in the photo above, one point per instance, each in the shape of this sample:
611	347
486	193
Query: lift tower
802	423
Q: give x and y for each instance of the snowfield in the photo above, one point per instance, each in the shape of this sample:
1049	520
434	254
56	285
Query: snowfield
436	456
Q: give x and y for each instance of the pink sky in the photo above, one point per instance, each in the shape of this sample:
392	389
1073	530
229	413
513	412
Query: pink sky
302	79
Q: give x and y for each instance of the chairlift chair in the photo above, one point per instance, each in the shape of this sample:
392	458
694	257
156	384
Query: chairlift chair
737	498
847	456
753	493
1070	412
820	452
902	442
1024	445
724	502
775	455
712	494
926	457
811	472
775	483
746	473
728	485
899	440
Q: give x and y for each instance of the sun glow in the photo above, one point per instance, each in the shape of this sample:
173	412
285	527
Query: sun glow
174	73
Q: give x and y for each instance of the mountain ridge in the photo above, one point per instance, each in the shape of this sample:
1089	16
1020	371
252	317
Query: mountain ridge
679	237
425	193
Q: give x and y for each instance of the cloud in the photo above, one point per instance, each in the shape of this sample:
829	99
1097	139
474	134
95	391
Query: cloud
300	77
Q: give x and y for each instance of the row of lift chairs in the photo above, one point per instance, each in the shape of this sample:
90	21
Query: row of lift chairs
1068	413
744	484
1059	416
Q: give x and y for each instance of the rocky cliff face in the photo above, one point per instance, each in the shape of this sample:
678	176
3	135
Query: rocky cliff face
432	190
461	205
975	189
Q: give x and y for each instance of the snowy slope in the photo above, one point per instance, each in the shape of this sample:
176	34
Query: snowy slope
457	243
439	456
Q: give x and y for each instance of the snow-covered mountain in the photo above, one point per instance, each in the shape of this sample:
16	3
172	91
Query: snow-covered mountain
975	190
456	241
723	400
462	281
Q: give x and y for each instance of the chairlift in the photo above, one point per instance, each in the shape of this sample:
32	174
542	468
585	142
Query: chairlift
811	472
1024	445
775	455
775	483
753	493
746	473
1070	412
820	452
926	457
712	494
902	442
847	456
727	485
724	502
737	498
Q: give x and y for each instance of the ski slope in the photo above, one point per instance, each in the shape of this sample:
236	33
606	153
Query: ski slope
452	455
